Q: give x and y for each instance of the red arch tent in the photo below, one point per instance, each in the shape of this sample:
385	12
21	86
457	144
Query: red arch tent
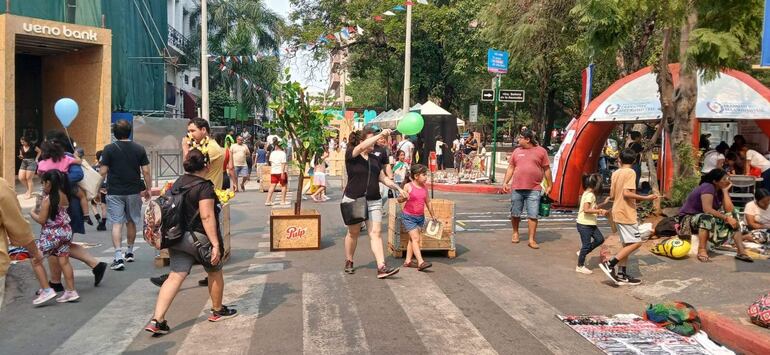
732	96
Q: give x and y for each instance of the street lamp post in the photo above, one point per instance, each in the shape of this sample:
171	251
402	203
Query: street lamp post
408	57
492	176
204	61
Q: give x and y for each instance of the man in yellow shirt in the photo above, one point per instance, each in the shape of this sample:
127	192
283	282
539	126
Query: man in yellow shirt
198	131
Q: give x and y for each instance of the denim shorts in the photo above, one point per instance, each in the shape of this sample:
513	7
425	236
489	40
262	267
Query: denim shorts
412	222
28	165
525	199
242	171
124	208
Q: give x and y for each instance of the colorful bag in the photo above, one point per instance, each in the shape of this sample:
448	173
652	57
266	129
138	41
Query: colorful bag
678	317
759	311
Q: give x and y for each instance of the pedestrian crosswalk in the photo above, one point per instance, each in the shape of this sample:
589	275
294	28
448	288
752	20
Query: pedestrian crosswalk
332	321
500	220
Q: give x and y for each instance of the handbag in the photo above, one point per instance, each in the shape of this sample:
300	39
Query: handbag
434	229
204	248
357	210
92	181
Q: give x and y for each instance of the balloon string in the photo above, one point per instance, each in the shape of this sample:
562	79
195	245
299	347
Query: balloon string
68	137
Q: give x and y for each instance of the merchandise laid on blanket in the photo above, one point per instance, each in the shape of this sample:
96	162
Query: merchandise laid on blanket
668	328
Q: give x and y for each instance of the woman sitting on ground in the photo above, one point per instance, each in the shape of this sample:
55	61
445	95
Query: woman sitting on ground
701	215
757	212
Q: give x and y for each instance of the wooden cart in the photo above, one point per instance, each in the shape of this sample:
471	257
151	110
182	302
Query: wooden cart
398	238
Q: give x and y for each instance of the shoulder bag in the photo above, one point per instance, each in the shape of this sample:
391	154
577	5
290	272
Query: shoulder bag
357	210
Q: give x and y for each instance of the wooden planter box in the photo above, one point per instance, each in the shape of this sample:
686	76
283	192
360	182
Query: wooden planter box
295	232
398	238
264	183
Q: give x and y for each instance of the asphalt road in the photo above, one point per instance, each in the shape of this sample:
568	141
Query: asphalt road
495	297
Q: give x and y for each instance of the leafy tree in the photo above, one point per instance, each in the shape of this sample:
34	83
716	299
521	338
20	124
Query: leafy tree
241	27
304	126
702	36
218	100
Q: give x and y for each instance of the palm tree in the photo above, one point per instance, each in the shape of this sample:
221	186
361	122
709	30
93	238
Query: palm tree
241	27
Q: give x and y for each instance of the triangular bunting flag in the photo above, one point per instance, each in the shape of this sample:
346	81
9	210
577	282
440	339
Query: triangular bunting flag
389	13
345	33
398	8
424	2
337	36
409	3
359	30
377	18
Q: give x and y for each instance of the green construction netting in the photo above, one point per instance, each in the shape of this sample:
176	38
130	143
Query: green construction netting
139	36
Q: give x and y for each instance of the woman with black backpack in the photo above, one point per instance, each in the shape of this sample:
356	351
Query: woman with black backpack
201	243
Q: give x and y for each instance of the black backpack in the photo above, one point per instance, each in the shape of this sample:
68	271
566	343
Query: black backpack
173	223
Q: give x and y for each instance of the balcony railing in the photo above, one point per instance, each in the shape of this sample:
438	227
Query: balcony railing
177	39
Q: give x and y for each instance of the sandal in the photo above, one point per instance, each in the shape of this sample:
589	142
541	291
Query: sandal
744	257
704	258
424	266
411	264
533	246
268	203
515	240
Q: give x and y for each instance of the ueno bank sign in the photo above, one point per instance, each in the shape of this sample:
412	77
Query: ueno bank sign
63	31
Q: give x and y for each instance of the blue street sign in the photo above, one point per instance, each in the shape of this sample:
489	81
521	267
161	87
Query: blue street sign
497	61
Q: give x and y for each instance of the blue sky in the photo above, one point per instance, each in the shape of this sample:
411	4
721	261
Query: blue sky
303	68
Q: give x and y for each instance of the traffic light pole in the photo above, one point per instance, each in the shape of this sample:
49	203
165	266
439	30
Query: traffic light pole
492	177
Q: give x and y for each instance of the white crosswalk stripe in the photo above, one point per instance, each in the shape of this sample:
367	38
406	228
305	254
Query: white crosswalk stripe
331	322
441	325
529	310
246	294
269	267
115	326
267	254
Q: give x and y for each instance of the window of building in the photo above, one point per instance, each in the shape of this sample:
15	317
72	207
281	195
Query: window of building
186	79
71	7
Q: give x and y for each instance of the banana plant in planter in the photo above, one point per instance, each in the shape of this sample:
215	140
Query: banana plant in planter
305	129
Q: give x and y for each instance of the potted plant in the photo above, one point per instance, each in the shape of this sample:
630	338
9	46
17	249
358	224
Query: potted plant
305	129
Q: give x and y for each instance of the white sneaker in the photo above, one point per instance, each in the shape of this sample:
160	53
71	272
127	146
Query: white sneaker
44	296
577	253
583	270
68	296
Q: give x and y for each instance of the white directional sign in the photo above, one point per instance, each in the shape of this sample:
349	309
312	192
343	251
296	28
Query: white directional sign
511	95
487	95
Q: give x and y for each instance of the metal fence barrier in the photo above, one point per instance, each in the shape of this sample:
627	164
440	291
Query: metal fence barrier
166	165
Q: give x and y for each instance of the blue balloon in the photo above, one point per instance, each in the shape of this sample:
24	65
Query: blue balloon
66	110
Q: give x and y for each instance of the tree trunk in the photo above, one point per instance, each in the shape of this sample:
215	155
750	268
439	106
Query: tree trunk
549	117
620	61
686	97
298	203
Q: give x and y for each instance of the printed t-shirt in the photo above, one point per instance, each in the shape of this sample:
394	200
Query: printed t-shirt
623	209
693	204
529	167
277	159
359	170
439	148
240	153
588	219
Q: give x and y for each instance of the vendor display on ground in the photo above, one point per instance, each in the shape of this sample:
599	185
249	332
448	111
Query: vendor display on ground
630	334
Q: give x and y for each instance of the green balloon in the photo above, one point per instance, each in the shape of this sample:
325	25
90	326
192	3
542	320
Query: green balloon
412	123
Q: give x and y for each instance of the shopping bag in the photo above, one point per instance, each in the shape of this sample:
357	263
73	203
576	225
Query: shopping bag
434	229
91	182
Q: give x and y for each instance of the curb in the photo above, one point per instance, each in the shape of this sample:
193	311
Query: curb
467	188
735	336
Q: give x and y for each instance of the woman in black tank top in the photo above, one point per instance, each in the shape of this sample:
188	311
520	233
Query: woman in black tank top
28	154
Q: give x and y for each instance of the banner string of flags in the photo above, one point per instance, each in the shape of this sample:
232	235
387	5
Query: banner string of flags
238	59
346	33
233	74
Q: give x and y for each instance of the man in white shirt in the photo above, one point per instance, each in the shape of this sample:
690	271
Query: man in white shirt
277	175
440	152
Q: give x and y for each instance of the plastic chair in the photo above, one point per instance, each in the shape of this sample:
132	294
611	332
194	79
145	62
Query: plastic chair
742	191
